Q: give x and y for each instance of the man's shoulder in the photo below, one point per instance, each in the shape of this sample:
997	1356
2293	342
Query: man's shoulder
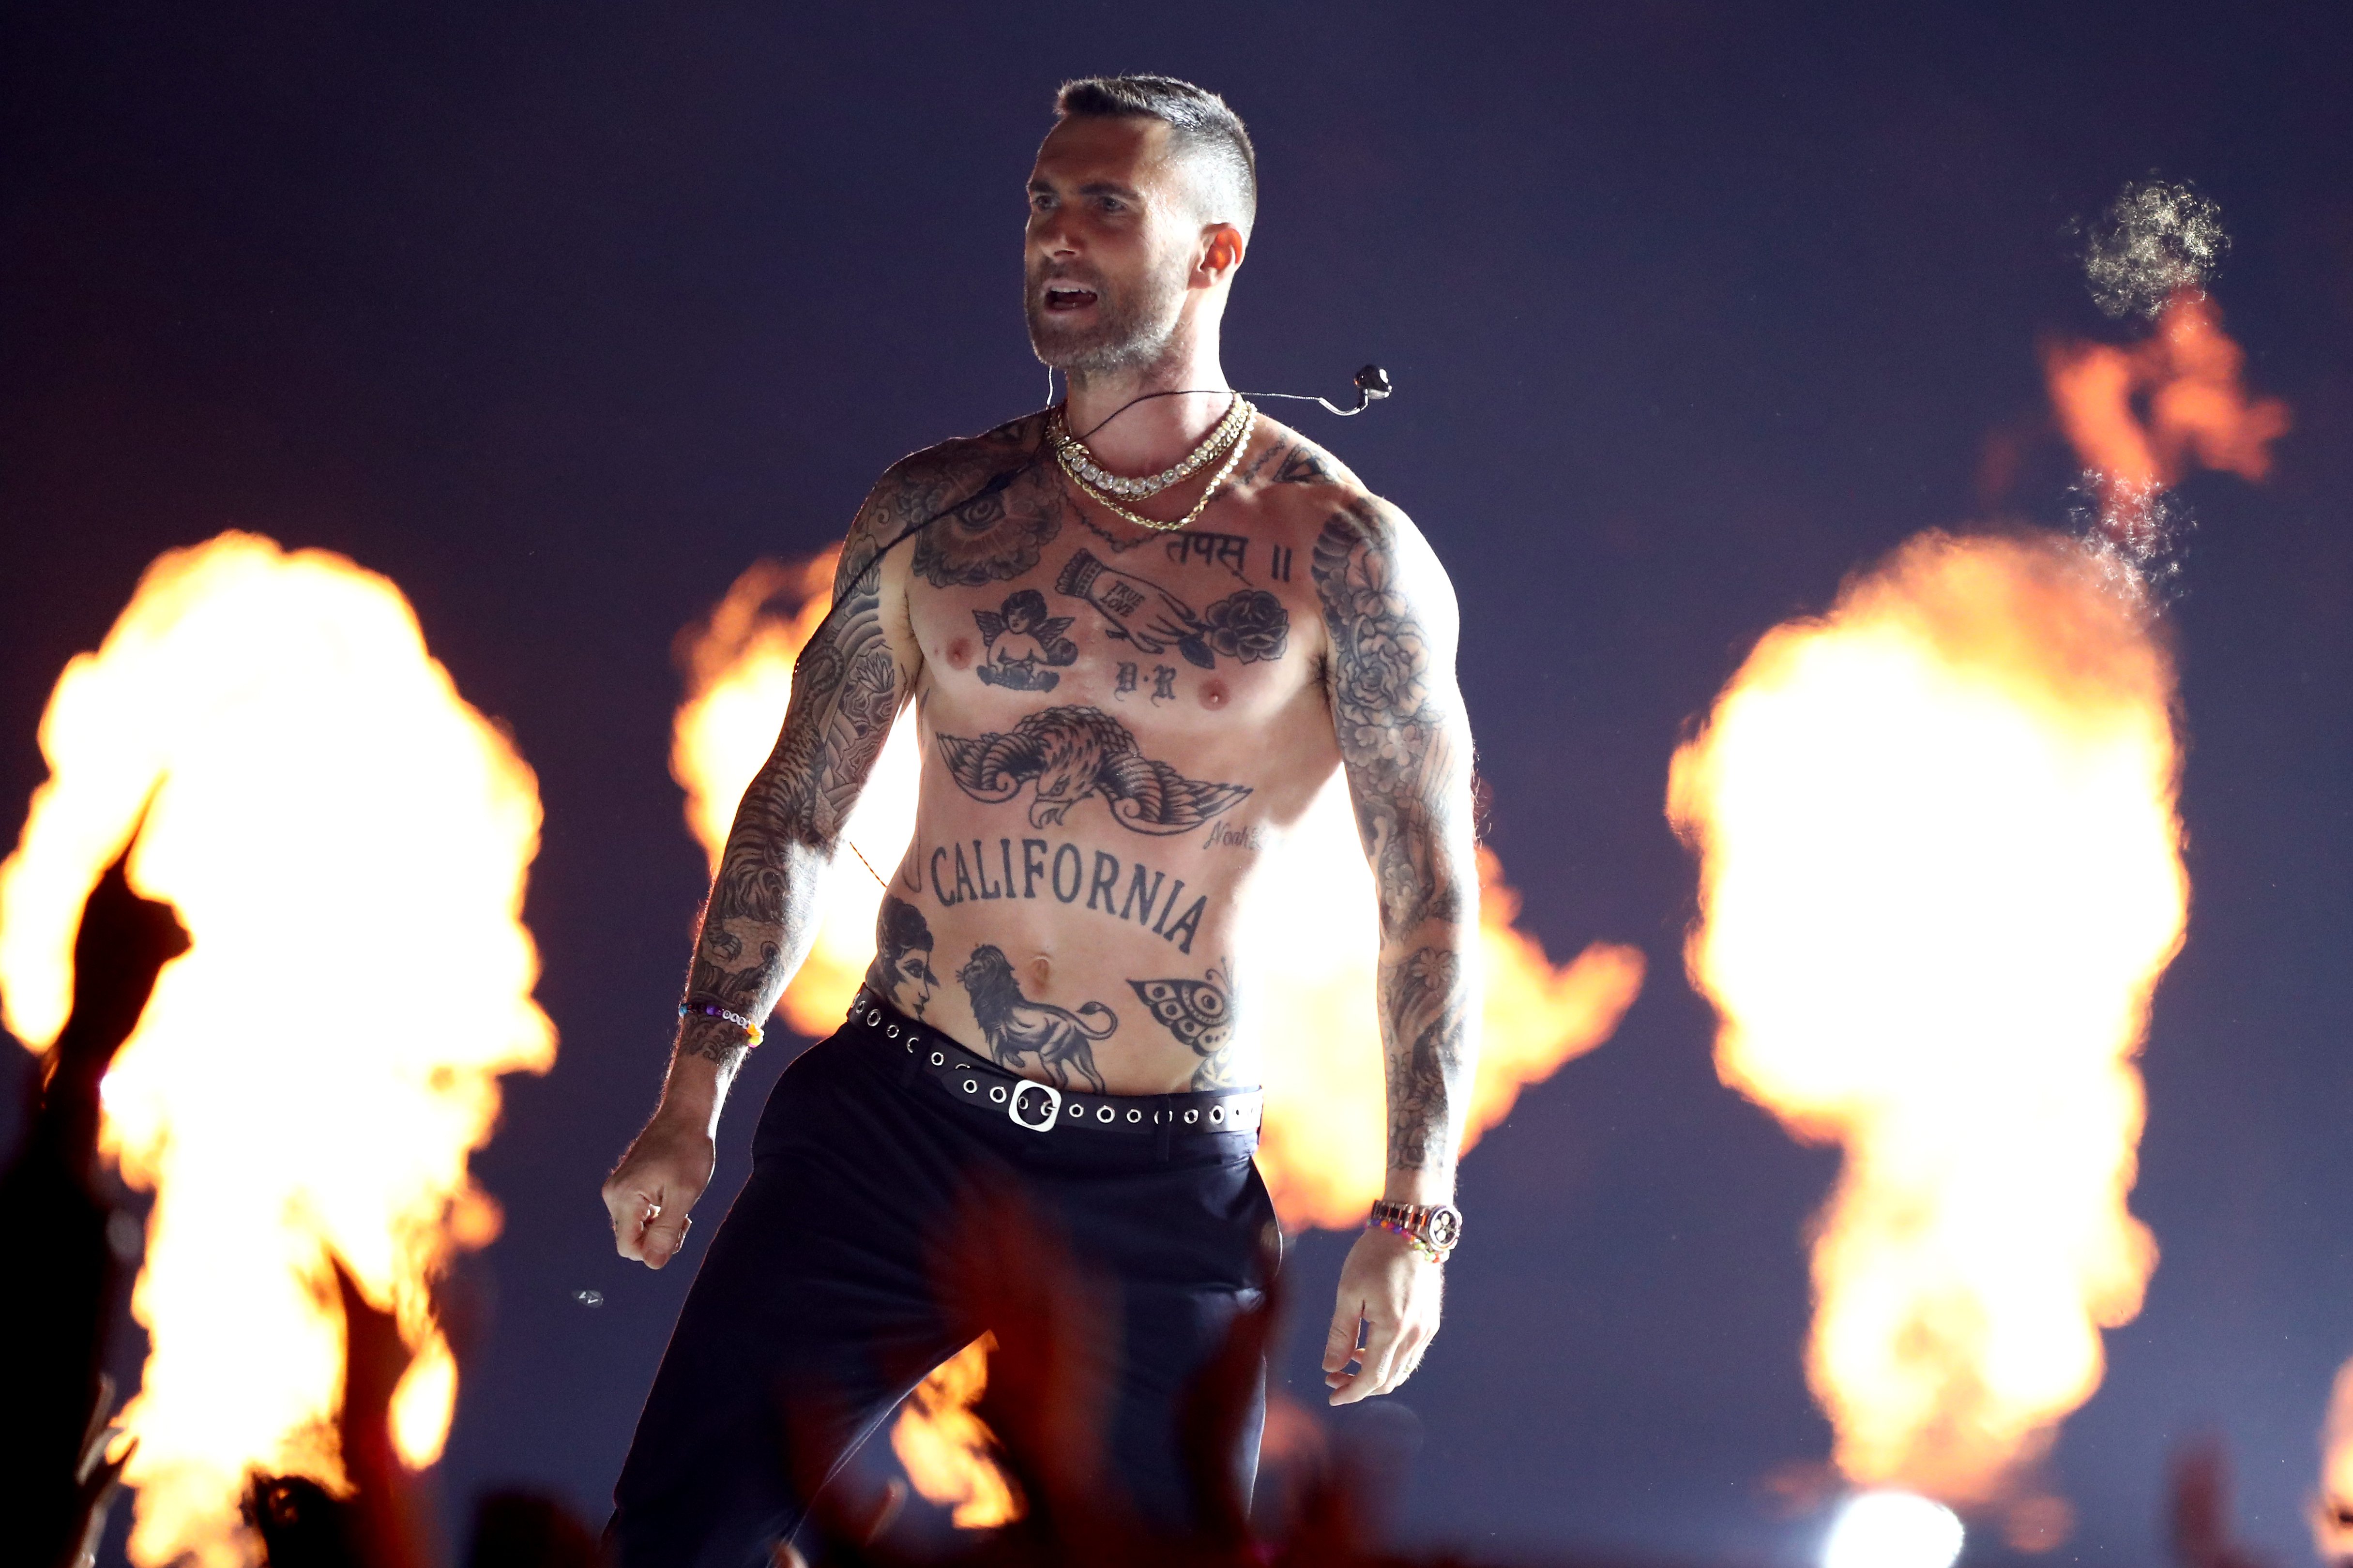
1306	491
965	458
924	483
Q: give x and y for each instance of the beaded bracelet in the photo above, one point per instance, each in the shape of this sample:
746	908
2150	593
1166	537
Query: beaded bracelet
1399	1228
696	1006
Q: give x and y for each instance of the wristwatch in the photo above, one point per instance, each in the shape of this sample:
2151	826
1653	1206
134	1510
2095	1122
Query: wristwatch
1432	1228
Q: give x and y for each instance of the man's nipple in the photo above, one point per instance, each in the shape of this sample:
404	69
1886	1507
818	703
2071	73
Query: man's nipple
960	654
1213	694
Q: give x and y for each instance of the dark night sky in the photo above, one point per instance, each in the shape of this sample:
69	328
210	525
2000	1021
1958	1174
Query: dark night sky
560	316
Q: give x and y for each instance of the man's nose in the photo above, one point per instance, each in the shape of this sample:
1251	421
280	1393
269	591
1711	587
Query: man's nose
1054	234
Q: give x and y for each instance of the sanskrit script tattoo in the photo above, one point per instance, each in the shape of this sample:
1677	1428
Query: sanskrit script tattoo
845	695
903	956
1017	1027
1074	753
1023	641
1199	1013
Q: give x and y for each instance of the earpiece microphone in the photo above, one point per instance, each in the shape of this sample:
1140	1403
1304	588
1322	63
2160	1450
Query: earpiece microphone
1372	384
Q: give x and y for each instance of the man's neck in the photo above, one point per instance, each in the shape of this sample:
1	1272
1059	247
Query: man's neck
1144	435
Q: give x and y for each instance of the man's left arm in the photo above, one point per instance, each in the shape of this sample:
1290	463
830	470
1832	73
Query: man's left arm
1391	626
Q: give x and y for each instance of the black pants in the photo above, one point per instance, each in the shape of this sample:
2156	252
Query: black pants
821	1295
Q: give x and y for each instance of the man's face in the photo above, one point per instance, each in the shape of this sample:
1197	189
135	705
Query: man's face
1111	245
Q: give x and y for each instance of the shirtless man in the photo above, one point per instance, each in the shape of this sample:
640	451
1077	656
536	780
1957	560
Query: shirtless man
1118	718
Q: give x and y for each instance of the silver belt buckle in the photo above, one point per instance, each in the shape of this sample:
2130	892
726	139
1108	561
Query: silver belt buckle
1054	1105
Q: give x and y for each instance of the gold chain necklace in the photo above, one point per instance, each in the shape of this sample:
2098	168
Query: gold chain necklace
1080	461
1225	472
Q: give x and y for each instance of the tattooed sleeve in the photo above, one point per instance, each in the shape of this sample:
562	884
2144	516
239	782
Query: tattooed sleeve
1389	620
846	687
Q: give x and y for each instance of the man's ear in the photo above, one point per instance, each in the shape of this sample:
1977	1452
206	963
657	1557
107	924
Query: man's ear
1222	248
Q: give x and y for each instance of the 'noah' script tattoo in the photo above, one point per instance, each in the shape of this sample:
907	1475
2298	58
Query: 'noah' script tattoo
1017	1027
1077	753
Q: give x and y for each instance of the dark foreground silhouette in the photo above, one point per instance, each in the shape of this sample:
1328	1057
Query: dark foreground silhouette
1047	1391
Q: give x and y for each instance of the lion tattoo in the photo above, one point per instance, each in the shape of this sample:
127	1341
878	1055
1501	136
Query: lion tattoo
1074	753
1016	1027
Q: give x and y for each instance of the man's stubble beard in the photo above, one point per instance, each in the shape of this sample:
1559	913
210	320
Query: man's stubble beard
1134	325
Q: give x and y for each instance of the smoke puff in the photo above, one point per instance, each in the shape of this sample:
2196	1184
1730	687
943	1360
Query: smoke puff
2154	240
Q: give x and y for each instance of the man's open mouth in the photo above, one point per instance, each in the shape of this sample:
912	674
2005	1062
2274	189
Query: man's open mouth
1068	297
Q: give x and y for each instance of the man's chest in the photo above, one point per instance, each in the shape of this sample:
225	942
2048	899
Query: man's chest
1199	622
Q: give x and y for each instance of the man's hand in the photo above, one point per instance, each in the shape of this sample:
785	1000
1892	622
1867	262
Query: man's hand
1396	1290
655	1182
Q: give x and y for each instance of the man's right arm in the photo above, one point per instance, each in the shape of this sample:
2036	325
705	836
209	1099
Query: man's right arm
761	917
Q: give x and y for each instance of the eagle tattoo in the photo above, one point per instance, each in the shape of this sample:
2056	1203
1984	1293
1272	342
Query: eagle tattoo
1074	753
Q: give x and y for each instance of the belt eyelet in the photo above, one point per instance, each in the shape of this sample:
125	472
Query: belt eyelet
970	1084
1104	1114
938	1060
997	1093
1135	1115
1217	1113
891	1033
1078	1111
872	1020
1191	1117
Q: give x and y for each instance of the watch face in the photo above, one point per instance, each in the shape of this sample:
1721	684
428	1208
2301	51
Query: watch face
1445	1225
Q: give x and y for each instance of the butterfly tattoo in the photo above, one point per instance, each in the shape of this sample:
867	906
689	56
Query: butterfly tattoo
1200	1013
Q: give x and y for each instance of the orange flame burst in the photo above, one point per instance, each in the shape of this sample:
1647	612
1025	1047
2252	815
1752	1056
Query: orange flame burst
2139	416
2332	1509
347	841
1941	875
944	1447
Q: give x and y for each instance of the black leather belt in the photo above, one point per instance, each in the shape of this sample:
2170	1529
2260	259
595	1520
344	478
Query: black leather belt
1042	1108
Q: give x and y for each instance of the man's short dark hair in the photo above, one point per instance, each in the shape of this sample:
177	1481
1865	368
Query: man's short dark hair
1203	129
